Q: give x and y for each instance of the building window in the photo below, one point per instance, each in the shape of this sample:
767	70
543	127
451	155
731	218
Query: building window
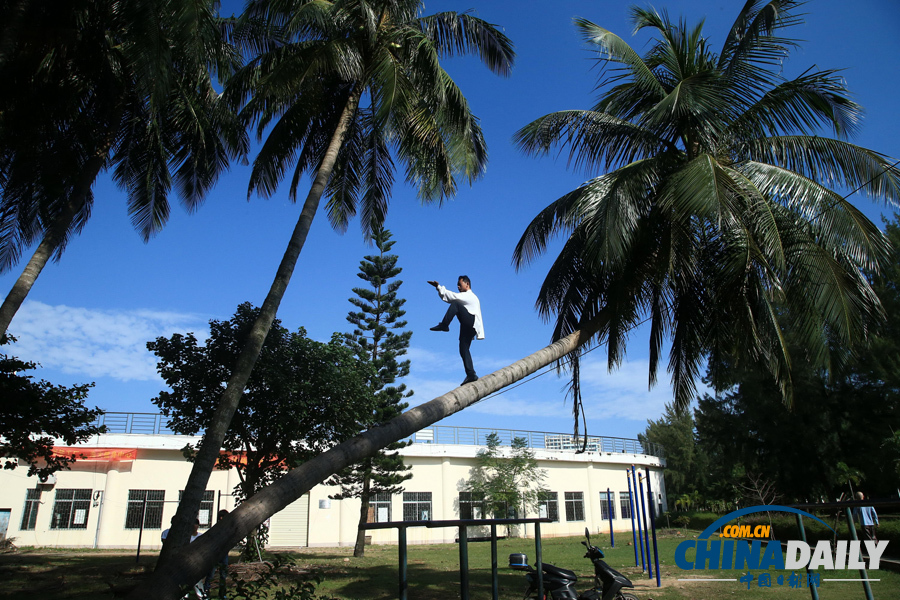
416	506
625	504
574	506
206	508
71	508
148	503
605	505
32	503
548	506
380	508
471	506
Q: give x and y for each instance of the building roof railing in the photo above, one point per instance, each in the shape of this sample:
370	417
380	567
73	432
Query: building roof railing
157	424
538	440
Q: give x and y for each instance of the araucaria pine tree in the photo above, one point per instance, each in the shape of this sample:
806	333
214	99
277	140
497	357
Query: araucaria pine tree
377	338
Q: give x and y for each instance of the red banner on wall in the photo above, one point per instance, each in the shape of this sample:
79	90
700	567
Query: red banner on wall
97	454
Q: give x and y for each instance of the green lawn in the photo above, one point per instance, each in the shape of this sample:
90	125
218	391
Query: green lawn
433	573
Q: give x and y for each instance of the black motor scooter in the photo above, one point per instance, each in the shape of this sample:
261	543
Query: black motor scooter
559	584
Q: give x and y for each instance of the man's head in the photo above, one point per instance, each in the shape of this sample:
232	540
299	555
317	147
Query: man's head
860	496
464	285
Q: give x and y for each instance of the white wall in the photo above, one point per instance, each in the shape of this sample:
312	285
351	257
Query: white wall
439	469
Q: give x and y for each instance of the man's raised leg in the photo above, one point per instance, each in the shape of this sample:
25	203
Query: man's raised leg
444	325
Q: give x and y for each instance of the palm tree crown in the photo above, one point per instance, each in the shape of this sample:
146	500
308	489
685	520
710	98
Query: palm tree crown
382	59
715	219
103	84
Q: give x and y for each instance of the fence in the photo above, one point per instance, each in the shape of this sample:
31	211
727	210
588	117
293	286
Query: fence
157	424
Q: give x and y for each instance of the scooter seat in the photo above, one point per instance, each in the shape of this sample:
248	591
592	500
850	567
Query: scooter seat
557	572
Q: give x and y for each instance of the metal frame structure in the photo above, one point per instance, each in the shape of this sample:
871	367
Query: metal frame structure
463	525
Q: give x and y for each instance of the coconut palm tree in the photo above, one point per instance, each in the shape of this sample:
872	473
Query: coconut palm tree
98	85
716	217
341	91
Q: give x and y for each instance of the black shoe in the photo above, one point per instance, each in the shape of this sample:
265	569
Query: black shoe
440	327
469	379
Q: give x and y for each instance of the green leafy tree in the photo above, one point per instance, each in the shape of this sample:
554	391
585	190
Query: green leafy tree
510	483
349	87
303	398
98	85
686	463
715	217
839	421
36	415
378	340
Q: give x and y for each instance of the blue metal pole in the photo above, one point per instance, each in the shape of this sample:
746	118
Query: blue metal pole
609	512
640	524
646	526
631	506
653	525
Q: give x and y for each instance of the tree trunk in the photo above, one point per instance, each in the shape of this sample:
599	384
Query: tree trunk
188	565
53	238
359	549
214	436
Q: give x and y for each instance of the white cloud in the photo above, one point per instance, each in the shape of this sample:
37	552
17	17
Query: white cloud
624	392
426	361
96	343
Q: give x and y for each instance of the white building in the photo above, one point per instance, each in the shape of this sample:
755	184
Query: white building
137	475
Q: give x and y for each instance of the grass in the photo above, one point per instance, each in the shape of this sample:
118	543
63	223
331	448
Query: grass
432	573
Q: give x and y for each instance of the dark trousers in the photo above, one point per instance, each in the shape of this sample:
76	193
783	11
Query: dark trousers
466	333
222	567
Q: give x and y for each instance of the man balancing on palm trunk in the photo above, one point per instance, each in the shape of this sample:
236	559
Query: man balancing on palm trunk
465	306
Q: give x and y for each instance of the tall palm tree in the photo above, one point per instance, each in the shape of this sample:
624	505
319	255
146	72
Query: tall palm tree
97	85
343	89
715	218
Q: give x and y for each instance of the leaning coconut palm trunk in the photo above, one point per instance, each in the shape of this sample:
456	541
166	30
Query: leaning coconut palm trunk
189	564
214	436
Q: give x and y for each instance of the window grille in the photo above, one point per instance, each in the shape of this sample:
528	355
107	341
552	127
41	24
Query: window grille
29	514
574	506
548	506
471	506
148	503
71	509
416	506
605	505
380	504
625	504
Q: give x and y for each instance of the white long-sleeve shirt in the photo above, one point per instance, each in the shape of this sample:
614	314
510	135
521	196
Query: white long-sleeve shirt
467	300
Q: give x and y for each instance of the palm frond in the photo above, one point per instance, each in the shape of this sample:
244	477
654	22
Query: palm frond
835	163
462	33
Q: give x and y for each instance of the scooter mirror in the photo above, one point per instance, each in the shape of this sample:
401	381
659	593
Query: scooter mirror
587	534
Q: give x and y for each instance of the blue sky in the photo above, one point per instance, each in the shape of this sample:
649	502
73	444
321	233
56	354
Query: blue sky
89	316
